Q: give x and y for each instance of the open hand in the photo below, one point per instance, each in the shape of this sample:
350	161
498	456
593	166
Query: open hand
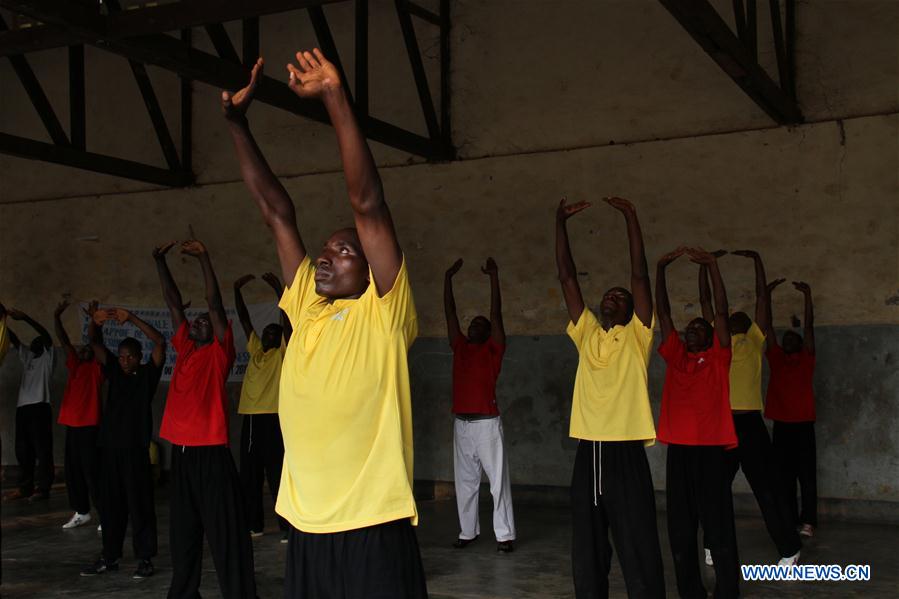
452	270
624	206
700	256
802	286
774	284
273	281
314	76
243	281
235	105
566	211
490	267
120	315
193	248
672	256
161	250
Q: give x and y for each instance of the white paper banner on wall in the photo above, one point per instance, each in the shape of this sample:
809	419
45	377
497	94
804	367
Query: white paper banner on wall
160	319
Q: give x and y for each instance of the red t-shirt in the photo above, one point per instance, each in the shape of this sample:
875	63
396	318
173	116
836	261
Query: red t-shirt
476	367
791	397
81	398
196	409
696	395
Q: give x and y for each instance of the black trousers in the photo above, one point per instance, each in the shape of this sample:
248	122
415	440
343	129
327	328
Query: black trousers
376	562
206	498
794	446
755	457
126	484
261	459
698	490
82	465
34	444
611	490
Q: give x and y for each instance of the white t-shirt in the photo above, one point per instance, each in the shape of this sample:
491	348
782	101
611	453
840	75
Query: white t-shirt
35	387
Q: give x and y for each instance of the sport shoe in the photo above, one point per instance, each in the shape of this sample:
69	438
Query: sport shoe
144	569
789	561
99	529
807	530
284	537
708	558
256	533
462	543
505	546
99	567
77	520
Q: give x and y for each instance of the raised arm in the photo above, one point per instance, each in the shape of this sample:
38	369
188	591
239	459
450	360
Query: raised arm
243	315
170	292
663	306
316	77
705	291
4	333
769	332
278	288
722	329
41	331
497	329
270	196
60	329
809	324
96	318
123	316
217	315
571	289
762	315
641	287
449	302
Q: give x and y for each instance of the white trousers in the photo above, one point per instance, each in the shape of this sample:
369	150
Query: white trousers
478	447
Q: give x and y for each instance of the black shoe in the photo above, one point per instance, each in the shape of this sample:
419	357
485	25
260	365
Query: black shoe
505	546
99	567
144	569
284	537
462	543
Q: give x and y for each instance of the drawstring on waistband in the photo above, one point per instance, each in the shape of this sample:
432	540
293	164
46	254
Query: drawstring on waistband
250	444
597	479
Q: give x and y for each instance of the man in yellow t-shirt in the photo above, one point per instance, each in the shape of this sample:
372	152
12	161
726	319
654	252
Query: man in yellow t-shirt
345	403
753	454
261	443
611	488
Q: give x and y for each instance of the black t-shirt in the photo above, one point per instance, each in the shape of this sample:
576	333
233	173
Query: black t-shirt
127	418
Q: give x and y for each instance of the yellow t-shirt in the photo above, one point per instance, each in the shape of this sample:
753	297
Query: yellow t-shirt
345	407
259	393
746	369
4	338
611	398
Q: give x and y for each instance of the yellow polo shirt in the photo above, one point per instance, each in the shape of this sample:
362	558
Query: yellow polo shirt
4	338
611	397
261	381
345	407
746	369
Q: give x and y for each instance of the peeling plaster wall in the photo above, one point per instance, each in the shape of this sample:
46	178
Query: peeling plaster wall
579	99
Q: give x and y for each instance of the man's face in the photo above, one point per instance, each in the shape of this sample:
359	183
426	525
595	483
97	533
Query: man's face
617	306
792	343
271	337
129	360
739	323
201	329
478	330
698	335
37	347
341	268
85	353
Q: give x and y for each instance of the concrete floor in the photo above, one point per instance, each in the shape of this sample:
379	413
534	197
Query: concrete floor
41	560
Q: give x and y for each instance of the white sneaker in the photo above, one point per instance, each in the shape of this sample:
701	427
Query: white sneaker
789	561
77	520
708	558
99	529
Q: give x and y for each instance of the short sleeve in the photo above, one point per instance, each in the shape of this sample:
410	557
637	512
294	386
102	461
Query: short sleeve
181	341
396	308
4	338
71	360
774	353
301	292
581	331
226	345
497	350
458	342
671	348
756	335
254	344
110	368
24	353
642	333
154	374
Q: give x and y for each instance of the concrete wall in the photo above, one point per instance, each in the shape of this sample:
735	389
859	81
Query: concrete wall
579	99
